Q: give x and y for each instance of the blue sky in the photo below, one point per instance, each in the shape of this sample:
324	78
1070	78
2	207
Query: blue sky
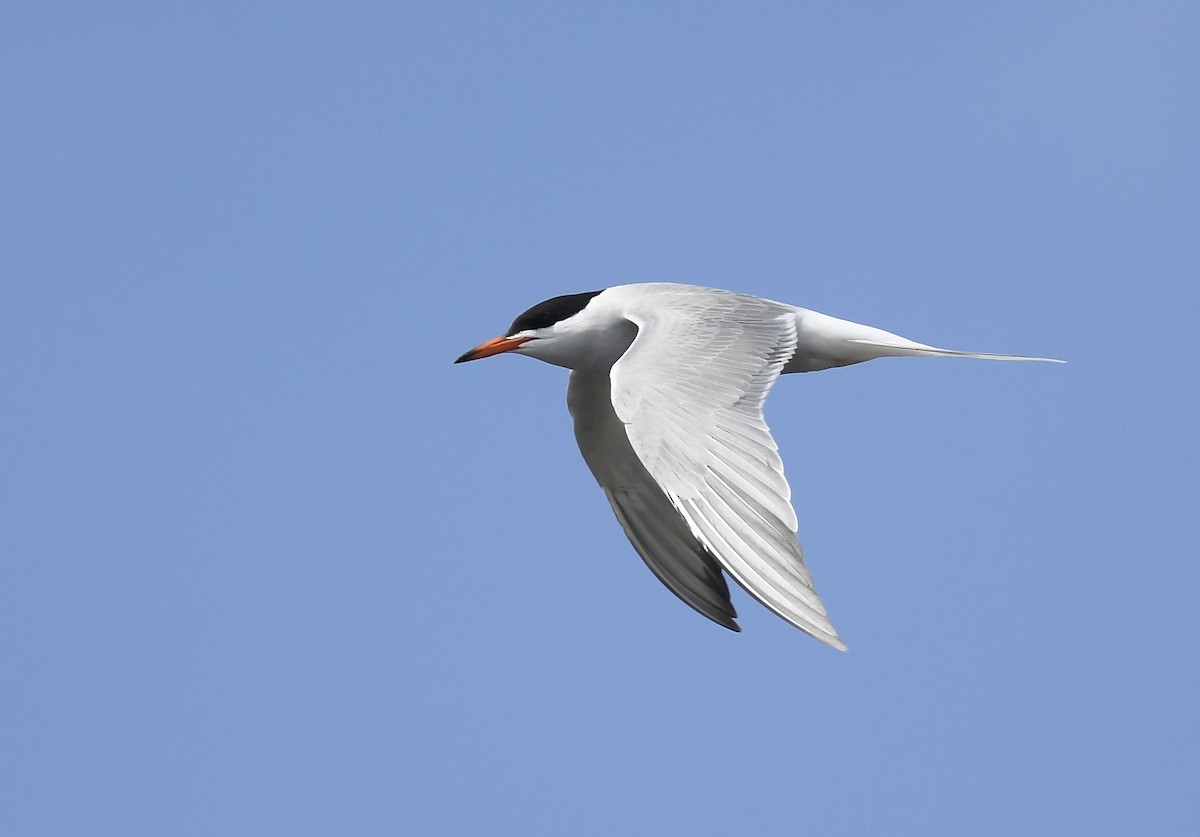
269	564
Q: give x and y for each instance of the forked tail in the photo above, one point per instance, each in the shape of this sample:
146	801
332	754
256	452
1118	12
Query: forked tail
910	349
823	342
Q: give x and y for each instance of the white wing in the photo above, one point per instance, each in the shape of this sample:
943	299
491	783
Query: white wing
689	392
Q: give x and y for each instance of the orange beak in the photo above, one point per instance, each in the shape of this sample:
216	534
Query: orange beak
493	347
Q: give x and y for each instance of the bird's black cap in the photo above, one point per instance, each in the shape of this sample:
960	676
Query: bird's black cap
551	311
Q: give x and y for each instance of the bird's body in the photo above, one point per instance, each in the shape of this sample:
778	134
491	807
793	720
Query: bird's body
666	391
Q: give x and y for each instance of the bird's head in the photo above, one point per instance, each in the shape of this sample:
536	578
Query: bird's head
565	331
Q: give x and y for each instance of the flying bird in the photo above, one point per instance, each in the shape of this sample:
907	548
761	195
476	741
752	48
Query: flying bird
666	391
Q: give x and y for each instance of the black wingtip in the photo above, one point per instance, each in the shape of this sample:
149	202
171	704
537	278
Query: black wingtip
728	622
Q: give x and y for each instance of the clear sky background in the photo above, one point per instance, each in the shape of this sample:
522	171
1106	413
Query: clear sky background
270	564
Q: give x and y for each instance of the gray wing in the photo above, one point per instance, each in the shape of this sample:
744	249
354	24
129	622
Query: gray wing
689	392
655	528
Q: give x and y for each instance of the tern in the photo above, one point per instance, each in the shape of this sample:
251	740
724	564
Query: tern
666	392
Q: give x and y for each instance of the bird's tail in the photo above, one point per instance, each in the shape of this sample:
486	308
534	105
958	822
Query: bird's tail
823	342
